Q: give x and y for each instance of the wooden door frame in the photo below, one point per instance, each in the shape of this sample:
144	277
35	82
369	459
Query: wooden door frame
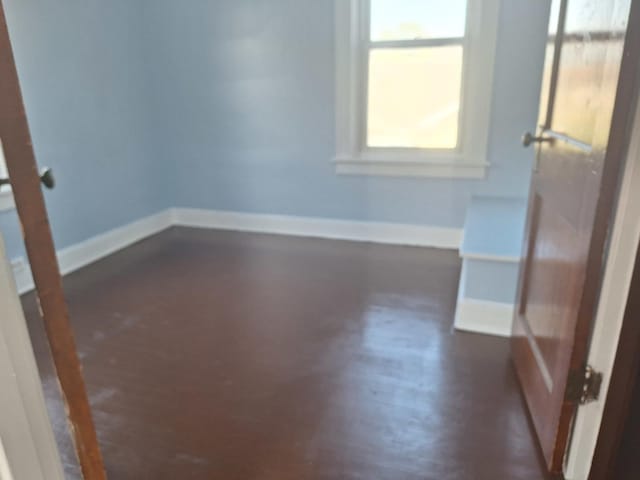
608	327
626	364
623	381
29	201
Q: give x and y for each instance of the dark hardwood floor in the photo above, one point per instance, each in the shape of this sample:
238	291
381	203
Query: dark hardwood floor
212	355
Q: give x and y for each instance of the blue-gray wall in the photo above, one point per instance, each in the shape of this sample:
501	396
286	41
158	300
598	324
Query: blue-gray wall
228	104
83	71
248	87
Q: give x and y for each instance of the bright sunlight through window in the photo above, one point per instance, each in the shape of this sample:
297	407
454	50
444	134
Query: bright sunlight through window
414	86
415	65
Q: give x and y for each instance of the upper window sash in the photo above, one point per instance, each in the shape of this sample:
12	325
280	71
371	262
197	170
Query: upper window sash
364	26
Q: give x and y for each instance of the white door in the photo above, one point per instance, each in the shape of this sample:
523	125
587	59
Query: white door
27	445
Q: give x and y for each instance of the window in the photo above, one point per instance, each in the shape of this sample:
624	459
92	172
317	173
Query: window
414	81
6	198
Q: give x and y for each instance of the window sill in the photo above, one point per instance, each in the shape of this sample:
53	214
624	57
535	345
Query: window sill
361	165
6	201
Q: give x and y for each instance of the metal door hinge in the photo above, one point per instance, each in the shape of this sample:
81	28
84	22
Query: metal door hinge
583	386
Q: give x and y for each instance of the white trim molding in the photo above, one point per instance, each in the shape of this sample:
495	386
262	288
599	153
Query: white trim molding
28	439
22	275
93	249
6	200
480	316
84	253
363	165
5	468
469	160
374	232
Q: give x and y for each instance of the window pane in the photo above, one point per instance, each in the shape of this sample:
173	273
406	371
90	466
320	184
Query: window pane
417	19
414	97
588	58
547	72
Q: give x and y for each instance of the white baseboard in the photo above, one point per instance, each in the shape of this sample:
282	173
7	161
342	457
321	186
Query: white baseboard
375	232
480	316
81	254
95	248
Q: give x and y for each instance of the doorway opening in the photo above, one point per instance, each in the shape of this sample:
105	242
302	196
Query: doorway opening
290	249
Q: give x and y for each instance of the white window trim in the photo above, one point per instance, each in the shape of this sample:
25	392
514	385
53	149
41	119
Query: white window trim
470	160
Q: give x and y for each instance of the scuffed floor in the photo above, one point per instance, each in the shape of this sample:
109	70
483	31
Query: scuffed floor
211	355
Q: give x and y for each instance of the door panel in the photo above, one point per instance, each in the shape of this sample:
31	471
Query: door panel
573	186
555	277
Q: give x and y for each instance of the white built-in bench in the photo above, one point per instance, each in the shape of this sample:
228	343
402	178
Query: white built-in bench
490	252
